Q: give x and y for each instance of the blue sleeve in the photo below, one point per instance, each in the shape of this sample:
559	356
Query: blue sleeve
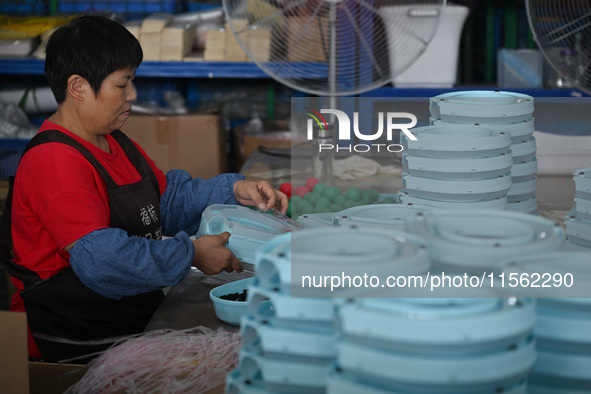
115	265
185	199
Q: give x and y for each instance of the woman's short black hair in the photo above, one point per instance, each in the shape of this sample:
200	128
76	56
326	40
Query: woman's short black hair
92	47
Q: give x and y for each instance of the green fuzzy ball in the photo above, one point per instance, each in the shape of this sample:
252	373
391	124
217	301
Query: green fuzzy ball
331	192
295	199
374	194
305	208
353	194
312	197
319	187
323	201
340	199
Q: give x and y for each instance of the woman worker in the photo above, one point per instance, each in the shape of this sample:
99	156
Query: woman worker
90	208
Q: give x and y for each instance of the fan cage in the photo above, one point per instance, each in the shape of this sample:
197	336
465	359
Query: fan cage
562	30
333	47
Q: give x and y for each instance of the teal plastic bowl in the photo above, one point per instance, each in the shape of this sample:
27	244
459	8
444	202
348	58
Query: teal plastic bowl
230	311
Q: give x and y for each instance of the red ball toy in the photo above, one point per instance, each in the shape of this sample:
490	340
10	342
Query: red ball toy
301	191
311	182
286	188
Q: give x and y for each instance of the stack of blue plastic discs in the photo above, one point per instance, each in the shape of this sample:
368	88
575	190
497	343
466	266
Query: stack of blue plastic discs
476	345
457	166
578	221
562	283
501	111
289	339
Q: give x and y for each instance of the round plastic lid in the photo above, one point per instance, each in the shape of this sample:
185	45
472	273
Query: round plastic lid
478	168
454	190
456	141
496	203
482	107
477	241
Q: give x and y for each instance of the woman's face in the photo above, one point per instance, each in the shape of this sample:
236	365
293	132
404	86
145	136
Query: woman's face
110	108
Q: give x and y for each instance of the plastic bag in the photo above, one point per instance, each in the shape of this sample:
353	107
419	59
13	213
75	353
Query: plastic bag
14	123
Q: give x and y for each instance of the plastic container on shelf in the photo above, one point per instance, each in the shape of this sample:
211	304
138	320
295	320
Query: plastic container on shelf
437	66
517	130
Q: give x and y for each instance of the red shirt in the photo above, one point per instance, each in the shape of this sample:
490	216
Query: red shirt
58	198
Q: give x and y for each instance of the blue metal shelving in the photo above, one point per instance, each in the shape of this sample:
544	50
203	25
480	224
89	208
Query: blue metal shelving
152	69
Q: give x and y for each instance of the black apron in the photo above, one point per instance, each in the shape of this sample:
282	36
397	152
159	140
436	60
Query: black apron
67	318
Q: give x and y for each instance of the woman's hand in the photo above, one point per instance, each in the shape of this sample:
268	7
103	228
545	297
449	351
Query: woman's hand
260	194
212	256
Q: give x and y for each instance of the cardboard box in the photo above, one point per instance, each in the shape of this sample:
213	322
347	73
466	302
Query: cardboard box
151	34
304	41
233	51
215	46
194	143
17	374
176	42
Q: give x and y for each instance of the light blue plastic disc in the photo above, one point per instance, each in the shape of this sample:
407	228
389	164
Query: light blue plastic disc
527	205
432	326
518	130
496	203
279	309
456	141
522	172
484	369
583	208
484	107
457	190
582	180
283	375
282	342
478	241
522	190
458	169
524	150
578	231
346	383
392	216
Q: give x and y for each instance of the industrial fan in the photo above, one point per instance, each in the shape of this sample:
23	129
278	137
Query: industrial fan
562	30
333	47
